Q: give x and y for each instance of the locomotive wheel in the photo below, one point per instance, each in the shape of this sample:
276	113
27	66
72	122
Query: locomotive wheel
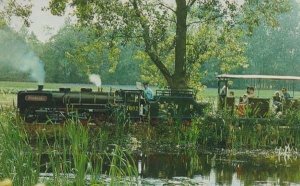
30	116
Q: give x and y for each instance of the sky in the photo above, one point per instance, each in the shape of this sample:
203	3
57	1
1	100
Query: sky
44	24
41	21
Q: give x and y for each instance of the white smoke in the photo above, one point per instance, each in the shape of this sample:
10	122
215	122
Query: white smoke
94	78
34	66
15	53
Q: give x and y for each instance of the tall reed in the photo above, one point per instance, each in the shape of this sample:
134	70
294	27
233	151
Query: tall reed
122	165
79	141
72	150
224	130
18	160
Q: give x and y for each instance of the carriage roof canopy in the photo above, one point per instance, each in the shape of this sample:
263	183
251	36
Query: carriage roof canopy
270	77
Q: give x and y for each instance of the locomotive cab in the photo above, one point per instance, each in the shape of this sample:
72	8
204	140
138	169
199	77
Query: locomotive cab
133	102
176	104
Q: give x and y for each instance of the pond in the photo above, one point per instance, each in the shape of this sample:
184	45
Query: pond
194	168
219	169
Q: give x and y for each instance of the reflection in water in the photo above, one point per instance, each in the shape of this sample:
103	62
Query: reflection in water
209	169
216	169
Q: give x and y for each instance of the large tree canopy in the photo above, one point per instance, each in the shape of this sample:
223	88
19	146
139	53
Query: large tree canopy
176	36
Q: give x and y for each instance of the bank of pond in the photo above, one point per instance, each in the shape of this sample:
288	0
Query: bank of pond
215	148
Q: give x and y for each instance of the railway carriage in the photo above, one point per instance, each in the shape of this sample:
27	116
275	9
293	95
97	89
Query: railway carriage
257	106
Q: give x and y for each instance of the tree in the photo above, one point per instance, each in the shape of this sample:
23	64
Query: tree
10	8
15	51
176	37
58	53
73	53
275	51
276	47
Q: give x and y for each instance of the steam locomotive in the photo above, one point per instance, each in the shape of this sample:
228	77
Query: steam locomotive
45	106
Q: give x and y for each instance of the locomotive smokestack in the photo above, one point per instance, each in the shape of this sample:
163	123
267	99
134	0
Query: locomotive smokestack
40	87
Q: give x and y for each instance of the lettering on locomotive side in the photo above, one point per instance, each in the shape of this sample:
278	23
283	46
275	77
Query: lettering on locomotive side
132	108
36	98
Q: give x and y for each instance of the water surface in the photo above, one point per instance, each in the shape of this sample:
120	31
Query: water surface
219	169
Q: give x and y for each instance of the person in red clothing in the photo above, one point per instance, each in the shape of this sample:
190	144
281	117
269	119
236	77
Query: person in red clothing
241	107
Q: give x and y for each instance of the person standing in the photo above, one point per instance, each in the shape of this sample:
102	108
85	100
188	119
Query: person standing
285	94
250	92
277	102
148	93
224	91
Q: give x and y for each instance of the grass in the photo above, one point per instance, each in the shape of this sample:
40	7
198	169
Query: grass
8	90
32	85
54	86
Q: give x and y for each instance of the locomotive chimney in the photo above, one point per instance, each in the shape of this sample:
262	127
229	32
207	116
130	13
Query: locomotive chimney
40	87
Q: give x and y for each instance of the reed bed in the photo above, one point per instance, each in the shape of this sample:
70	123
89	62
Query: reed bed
81	155
230	132
70	156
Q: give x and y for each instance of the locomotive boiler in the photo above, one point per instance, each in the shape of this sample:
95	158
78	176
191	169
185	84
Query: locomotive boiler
45	106
56	106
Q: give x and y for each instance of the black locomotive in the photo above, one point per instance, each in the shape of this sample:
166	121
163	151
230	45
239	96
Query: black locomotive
45	106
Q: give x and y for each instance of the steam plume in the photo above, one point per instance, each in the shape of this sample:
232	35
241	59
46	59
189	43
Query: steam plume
15	53
94	78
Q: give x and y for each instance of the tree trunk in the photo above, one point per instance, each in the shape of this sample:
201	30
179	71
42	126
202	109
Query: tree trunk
179	79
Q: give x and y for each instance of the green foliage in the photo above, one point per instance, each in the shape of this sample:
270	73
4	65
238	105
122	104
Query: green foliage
214	132
2	22
65	57
122	165
70	149
69	56
176	38
21	9
18	161
271	48
74	149
14	48
276	47
224	130
79	148
264	11
74	52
